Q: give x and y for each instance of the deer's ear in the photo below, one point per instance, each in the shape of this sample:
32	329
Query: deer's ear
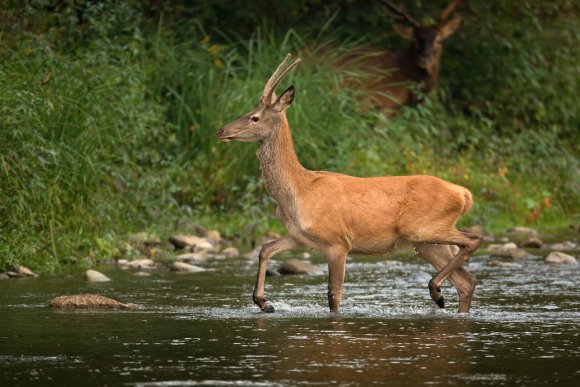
405	32
450	27
284	100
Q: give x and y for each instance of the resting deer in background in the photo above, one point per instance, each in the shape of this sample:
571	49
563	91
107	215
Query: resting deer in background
339	214
390	74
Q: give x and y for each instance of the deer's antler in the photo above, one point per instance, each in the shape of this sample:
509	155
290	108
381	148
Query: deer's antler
447	11
275	80
400	13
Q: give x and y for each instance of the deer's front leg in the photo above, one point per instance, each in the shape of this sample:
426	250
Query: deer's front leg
336	268
268	250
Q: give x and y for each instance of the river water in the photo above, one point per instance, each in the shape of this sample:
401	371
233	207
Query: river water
202	329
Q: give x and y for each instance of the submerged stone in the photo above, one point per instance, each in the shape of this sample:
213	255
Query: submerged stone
89	301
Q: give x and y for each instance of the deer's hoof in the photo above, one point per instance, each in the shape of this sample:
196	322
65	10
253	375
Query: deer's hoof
268	308
440	302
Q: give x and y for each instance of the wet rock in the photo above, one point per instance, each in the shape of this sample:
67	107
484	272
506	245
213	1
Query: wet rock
185	267
295	266
534	243
95	276
231	252
192	242
4	276
272	273
558	257
141	274
21	271
566	245
192	257
497	263
144	263
89	301
523	231
507	250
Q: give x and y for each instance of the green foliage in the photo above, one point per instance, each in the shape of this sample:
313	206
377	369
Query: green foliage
109	113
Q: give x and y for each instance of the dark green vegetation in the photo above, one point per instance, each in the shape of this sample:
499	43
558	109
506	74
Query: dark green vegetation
109	113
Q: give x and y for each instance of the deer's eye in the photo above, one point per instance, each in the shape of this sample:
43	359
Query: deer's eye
255	118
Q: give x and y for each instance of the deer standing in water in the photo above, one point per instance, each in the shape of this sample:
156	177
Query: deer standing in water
339	214
389	74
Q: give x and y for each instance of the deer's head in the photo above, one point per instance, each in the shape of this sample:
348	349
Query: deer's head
427	39
268	116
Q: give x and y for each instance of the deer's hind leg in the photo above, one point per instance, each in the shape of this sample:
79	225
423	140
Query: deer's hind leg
440	256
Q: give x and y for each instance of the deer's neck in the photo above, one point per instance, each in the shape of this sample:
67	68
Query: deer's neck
281	168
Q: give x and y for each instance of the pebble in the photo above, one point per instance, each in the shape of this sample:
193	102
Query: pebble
558	257
566	245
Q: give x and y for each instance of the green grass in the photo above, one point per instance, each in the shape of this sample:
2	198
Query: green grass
118	133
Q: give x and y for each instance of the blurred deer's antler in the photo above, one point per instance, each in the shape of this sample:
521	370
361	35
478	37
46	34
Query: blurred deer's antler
400	13
275	80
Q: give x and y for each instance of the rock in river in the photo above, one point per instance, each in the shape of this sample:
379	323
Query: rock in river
508	250
185	267
89	301
557	257
295	266
534	243
143	263
192	257
231	252
95	276
191	241
20	271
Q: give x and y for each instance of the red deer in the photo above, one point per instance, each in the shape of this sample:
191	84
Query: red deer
390	74
339	214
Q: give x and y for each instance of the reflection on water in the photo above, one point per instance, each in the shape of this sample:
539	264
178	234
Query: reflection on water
202	329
